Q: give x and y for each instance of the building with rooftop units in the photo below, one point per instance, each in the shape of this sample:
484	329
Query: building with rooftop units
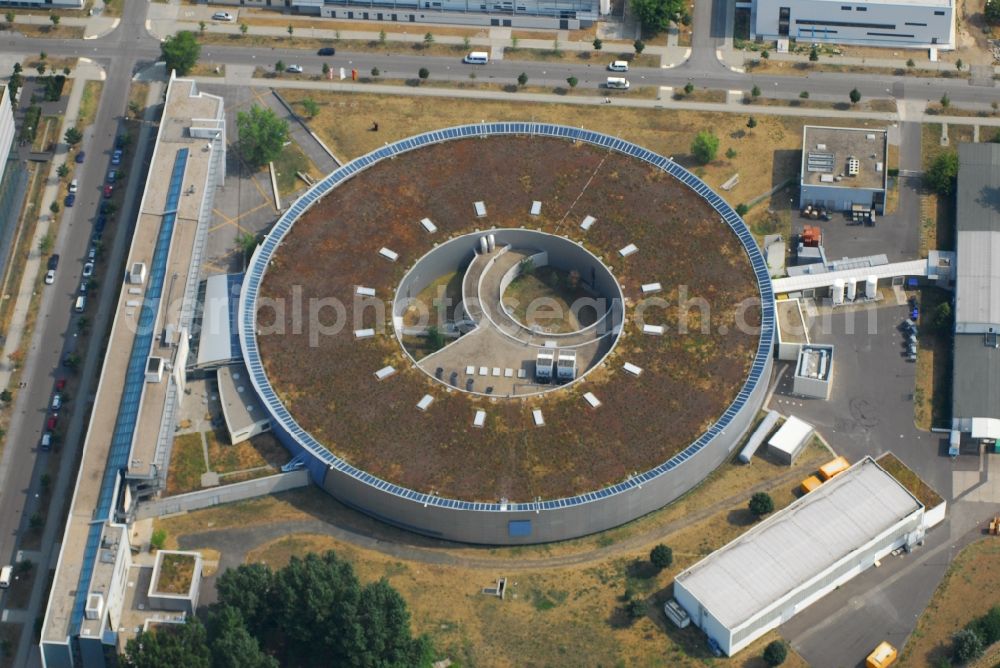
844	169
97	600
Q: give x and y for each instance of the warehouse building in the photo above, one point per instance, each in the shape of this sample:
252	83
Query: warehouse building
888	23
976	380
844	169
798	555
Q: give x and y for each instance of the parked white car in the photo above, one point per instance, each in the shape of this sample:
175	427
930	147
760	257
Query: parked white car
223	16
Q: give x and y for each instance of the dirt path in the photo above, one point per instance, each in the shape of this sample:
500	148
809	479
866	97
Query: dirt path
234	543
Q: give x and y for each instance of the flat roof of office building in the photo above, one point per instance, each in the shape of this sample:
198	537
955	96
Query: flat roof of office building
796	544
826	152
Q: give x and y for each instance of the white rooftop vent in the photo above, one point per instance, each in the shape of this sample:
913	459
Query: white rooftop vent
138	273
480	209
632	368
853	166
428	225
826	178
592	400
480	419
879	167
425	403
364	333
628	250
870	136
536	208
154	369
656	330
587	222
820	147
364	292
650	288
390	255
95	606
536	415
384	372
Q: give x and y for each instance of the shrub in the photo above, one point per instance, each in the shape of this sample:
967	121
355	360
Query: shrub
661	556
705	146
775	653
158	539
966	645
761	504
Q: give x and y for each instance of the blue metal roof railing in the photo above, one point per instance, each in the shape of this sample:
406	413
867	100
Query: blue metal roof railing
255	275
135	379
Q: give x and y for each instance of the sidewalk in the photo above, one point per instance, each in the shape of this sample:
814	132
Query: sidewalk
163	21
94	27
86	70
234	77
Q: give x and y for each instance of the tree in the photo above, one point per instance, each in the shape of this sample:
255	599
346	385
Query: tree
428	39
36	521
775	653
158	539
755	91
54	207
959	64
804	95
376	72
385	621
991	11
42	55
55	20
201	26
466	43
751	124
572	81
40	67
45	480
262	135
656	15
765	54
813	55
761	504
514	40
169	645
423	73
66	71
326	69
945	101
180	52
73	136
247	589
635	608
661	556
730	153
279	66
522	79
10	16
910	63
943	172
434	338
232	646
688	88
63	171
598	44
6	396
639	46
966	645
704	146
943	320
291	31
134	108
311	107
244	28
855	96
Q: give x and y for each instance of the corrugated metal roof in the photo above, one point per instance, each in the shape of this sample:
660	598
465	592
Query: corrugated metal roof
218	341
977	294
825	280
798	543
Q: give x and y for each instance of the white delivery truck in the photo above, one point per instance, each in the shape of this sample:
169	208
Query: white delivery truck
620	83
477	58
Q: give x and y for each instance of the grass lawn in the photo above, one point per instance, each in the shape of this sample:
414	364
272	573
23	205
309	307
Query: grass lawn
263	450
963	595
9	635
48	133
764	158
932	396
553	285
584	618
187	463
293	160
910	480
176	571
88	102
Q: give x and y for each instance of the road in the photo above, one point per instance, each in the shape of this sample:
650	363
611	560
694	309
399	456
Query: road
130	46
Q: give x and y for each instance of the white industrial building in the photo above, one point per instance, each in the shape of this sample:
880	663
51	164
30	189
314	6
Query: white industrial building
798	555
888	23
814	371
844	168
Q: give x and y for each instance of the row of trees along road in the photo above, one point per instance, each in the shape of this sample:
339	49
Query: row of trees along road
312	612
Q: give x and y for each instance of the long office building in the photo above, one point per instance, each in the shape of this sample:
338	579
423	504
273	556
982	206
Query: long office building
888	23
94	606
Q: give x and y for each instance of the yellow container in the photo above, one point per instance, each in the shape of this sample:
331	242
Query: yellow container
810	483
833	467
884	655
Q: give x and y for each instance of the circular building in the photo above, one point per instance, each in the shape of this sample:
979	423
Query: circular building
509	332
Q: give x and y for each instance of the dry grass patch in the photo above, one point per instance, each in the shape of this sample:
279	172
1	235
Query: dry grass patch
580	606
176	571
187	464
765	158
932	393
910	480
89	100
958	600
49	32
263	450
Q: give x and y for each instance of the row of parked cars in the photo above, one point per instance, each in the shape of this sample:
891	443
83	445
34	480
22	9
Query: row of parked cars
80	305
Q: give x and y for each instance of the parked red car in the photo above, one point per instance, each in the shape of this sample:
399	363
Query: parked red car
51	423
107	191
60	385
